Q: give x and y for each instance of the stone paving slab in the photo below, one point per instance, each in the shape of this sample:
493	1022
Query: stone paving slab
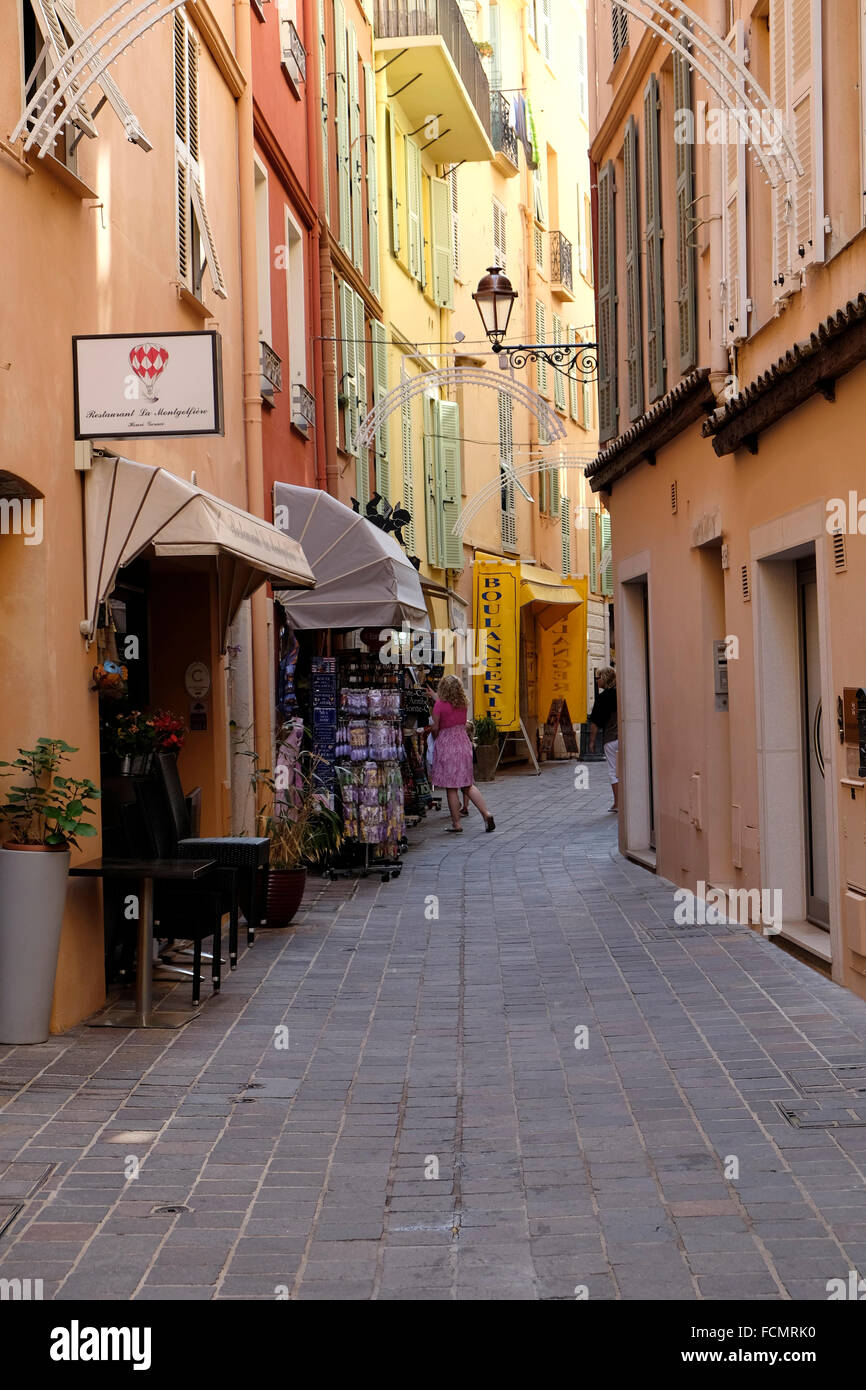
507	1075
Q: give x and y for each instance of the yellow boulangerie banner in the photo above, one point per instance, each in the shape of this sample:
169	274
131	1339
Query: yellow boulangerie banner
562	661
497	618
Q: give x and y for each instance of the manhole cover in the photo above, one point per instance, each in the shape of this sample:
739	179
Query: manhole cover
176	1210
821	1117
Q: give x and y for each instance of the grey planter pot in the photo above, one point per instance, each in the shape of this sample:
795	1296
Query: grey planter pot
32	898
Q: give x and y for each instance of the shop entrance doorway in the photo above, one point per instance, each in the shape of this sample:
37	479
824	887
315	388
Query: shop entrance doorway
812	729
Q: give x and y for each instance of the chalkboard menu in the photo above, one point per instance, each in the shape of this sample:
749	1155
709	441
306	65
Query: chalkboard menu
323	691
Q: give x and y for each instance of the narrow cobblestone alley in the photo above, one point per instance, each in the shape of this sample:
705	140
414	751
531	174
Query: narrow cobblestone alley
655	1162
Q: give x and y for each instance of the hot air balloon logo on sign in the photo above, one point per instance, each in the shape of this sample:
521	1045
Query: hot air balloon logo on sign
148	361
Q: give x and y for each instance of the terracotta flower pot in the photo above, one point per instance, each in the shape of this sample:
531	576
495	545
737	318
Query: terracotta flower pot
285	891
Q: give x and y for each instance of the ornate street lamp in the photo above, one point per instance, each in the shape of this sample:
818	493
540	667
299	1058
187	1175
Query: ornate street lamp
495	298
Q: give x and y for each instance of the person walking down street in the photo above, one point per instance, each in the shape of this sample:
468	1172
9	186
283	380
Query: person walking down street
452	753
603	720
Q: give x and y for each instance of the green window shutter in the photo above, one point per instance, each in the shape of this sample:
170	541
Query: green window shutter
634	332
606	558
565	533
380	390
363	465
554	490
348	384
424	181
608	409
655	282
543	488
391	137
558	378
341	90
448	480
372	178
323	84
508	514
356	167
540	337
408	471
686	276
594	586
413	210
572	382
430	502
443	267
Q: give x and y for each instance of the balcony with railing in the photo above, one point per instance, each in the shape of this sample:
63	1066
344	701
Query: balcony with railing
303	407
503	135
294	55
561	272
271	372
435	72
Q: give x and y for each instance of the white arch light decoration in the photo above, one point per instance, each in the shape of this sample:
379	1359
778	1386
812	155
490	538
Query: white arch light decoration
458	376
78	56
491	489
783	164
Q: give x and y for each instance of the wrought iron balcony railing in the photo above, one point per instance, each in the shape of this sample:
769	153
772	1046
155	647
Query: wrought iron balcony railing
503	136
294	53
561	261
402	19
271	368
303	407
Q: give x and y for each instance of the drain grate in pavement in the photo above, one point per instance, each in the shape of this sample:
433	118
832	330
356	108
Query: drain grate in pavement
176	1210
822	1116
8	1213
21	1180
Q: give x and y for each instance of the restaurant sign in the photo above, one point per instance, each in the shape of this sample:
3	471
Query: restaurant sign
147	385
497	617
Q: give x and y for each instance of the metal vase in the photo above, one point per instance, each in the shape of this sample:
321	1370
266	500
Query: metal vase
33	882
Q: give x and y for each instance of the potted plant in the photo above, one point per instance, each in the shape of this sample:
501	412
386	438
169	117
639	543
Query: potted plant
486	748
43	814
169	731
293	810
134	739
484	47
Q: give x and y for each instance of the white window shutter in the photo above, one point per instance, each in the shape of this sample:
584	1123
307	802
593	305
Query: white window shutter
372	178
391	136
449	482
498	234
356	166
558	378
323	84
797	92
565	535
204	222
413	209
573	398
495	39
735	231
541	337
58	48
508	515
348	383
341	97
430	506
440	219
455	224
379	355
408	470
686	261
360	400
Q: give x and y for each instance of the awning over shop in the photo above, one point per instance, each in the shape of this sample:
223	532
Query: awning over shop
363	578
551	596
129	506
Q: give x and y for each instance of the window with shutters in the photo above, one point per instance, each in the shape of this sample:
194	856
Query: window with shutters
443	265
544	19
263	252
408	472
323	89
558	378
594	578
507	508
195	240
605	562
541	337
538	196
686	219
379	363
619	29
448	482
796	90
396	191
414	211
347	386
455	224
494	36
608	408
573	383
372	177
356	166
655	299
565	533
734	246
633	313
498	234
342	102
362	454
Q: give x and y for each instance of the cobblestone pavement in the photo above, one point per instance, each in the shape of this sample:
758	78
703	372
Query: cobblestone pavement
655	1162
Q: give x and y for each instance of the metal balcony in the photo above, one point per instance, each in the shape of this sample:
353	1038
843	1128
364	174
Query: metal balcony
503	135
303	407
434	66
561	273
271	369
294	53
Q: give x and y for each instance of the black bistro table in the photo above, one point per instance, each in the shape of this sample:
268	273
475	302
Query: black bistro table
146	872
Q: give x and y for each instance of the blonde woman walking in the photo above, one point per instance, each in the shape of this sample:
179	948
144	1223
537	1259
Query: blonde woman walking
452	753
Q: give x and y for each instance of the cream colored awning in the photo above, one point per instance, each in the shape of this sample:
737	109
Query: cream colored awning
129	506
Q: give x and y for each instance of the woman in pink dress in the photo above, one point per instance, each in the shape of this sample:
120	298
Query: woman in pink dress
452	752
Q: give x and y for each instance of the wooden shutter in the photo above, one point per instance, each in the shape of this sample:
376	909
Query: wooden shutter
686	276
558	378
498	234
372	178
408	470
55	39
323	83
546	38
455	224
608	409
356	168
348	384
508	515
379	356
414	210
655	280
797	92
734	245
440	220
594	585
540	337
363	464
553	490
341	91
606	557
430	507
573	398
391	138
633	315
565	535
447	415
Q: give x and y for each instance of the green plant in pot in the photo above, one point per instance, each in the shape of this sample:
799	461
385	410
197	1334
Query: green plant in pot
293	811
43	814
486	748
